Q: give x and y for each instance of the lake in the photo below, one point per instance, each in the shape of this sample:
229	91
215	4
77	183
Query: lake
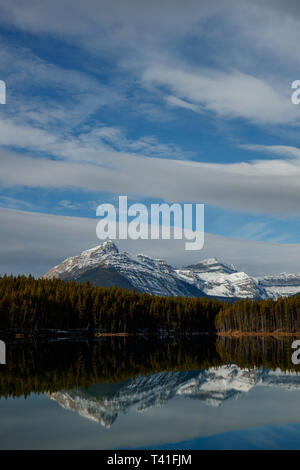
202	392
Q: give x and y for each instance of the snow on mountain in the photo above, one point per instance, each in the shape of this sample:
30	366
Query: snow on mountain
217	279
212	265
281	285
87	259
213	387
105	265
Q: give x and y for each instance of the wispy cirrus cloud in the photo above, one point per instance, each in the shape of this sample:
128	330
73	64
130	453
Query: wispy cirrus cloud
149	42
44	97
270	186
287	151
228	94
174	101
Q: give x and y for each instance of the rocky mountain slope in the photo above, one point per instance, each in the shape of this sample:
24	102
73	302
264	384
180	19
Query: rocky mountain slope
281	285
221	280
105	265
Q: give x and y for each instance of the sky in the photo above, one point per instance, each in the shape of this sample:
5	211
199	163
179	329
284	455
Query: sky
162	101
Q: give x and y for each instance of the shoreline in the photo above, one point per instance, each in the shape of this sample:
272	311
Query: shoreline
238	333
83	333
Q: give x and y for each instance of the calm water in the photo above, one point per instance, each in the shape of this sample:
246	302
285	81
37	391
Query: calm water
130	393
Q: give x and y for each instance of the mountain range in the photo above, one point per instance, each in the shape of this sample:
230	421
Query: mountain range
105	265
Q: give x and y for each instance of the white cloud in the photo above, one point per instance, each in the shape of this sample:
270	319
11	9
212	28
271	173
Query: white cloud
260	231
258	186
44	94
174	101
14	203
282	150
226	94
236	37
76	206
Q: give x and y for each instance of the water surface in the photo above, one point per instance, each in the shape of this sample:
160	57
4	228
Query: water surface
114	393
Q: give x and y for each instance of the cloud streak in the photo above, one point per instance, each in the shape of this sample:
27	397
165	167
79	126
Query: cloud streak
232	94
259	186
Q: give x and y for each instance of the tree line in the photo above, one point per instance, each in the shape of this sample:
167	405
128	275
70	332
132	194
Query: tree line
33	304
264	316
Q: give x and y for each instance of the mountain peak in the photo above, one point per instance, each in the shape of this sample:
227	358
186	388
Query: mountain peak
209	261
110	246
213	265
107	246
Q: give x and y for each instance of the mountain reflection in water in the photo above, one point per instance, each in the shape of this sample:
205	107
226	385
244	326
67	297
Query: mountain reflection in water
110	378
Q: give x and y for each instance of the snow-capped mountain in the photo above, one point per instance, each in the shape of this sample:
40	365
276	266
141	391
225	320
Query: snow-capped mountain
105	265
213	386
220	280
281	285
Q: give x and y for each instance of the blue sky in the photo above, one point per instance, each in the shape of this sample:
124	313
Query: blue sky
162	101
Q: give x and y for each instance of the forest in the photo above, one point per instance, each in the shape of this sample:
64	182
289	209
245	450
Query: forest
29	304
260	316
33	304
